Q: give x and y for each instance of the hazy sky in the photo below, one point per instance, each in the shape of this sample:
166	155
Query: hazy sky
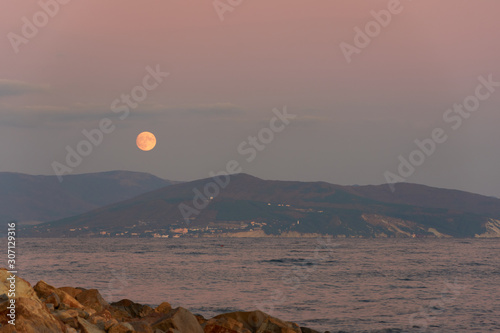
226	76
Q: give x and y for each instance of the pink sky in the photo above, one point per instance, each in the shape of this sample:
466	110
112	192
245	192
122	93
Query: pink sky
226	77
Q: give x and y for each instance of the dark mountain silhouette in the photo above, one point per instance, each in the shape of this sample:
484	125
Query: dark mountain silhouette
289	207
28	198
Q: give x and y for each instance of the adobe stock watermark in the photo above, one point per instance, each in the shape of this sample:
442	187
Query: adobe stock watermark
31	27
454	117
224	6
372	29
122	107
249	148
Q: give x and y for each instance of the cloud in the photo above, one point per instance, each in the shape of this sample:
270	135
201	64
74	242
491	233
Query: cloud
210	110
14	88
84	113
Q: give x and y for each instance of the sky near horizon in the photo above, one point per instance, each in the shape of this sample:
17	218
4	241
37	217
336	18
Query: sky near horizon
356	115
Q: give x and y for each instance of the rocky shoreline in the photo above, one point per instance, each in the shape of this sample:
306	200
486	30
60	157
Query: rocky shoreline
46	309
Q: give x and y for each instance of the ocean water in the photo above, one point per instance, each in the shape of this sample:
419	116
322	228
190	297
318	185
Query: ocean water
355	285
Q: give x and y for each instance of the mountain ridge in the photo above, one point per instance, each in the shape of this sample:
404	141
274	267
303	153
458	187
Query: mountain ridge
277	207
43	198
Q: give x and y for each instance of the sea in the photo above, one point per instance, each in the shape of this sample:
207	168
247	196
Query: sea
327	284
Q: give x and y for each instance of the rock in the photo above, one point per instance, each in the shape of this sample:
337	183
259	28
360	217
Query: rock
92	299
44	292
122	328
86	327
201	319
23	287
32	316
141	327
82	313
98	321
71	291
260	322
69	317
164	307
110	323
179	319
134	310
224	325
53	299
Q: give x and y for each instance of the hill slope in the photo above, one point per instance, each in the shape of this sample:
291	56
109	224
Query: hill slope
43	198
254	206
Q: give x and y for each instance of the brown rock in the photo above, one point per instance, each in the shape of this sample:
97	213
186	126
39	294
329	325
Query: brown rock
122	328
201	319
110	323
44	292
92	299
86	327
53	299
141	327
224	325
32	316
179	319
71	291
134	310
164	307
106	315
98	321
260	322
68	317
23	287
82	313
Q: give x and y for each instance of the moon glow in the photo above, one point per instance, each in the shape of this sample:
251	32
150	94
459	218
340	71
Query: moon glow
146	141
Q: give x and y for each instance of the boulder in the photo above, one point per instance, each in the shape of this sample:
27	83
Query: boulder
224	325
164	307
87	327
45	291
92	299
68	317
201	319
121	328
23	287
260	322
82	313
32	316
110	323
141	327
178	319
98	321
54	300
134	310
71	291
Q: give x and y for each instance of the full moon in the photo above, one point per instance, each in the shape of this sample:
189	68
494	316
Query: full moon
146	141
